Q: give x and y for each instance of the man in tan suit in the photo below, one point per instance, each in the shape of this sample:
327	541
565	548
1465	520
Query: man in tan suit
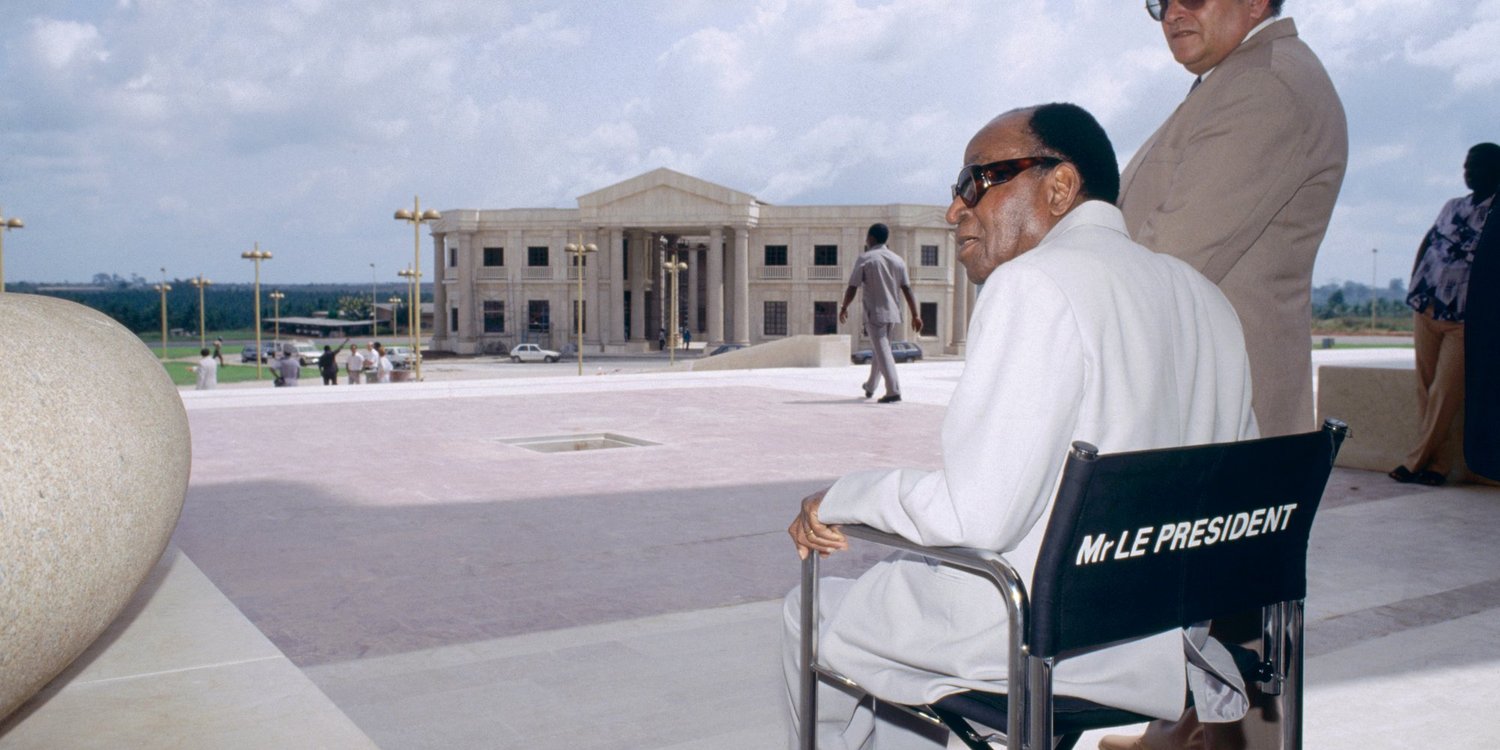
1240	182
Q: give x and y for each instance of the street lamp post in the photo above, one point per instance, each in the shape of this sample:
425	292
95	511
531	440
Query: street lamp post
580	251
276	298
673	268
413	321
200	282
257	255
395	300
372	300
417	216
164	287
5	226
1374	274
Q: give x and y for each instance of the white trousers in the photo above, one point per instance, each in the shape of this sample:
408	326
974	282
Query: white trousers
845	721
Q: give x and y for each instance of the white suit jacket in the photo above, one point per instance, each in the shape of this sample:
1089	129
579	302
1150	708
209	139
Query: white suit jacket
1088	336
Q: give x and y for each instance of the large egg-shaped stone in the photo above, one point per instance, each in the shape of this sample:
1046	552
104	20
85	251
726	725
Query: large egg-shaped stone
94	457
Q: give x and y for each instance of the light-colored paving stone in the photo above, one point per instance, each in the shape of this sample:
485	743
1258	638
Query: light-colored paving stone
445	590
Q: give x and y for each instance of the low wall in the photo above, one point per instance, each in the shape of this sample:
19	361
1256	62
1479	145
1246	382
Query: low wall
1380	406
793	351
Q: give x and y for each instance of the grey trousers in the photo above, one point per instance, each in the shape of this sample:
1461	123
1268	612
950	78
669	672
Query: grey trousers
882	364
846	721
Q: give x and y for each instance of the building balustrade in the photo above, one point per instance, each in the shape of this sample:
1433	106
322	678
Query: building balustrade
825	273
537	273
776	272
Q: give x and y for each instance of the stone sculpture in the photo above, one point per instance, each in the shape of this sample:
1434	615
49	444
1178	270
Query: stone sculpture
94	457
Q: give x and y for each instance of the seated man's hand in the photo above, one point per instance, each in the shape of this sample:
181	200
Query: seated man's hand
810	534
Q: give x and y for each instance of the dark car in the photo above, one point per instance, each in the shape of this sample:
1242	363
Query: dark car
901	351
726	348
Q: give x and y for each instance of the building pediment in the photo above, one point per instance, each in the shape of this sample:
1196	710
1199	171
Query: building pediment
666	198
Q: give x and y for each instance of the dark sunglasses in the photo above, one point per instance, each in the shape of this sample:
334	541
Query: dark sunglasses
976	179
1158	8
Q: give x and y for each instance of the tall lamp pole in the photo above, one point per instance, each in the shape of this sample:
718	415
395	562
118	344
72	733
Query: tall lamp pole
395	300
416	216
164	287
413	288
276	298
257	255
1374	274
580	251
5	226
200	282
673	268
372	301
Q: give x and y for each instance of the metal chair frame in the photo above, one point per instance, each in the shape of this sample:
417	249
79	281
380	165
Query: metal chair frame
1030	708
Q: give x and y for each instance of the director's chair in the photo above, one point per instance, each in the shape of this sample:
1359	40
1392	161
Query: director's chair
1093	587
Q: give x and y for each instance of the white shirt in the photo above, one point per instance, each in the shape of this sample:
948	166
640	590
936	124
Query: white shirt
208	373
1088	336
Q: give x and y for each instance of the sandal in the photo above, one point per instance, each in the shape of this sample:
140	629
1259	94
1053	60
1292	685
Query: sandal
1402	475
1431	479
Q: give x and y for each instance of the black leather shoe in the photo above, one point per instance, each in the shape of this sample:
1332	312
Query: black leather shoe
868	392
1402	475
891	399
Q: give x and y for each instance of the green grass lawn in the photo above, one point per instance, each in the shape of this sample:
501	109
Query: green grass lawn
182	375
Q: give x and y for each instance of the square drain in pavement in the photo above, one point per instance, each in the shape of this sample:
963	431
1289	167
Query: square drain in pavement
589	441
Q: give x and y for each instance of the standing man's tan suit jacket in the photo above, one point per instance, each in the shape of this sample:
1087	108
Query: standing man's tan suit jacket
1240	182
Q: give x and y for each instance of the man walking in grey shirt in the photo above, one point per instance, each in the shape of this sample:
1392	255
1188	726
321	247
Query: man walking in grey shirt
880	273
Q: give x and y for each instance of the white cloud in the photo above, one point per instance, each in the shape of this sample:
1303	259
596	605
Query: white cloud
60	44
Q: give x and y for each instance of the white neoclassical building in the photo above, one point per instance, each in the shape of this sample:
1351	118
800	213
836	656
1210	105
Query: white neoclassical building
755	271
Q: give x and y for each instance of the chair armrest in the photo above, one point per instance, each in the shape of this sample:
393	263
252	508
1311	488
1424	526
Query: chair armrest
995	568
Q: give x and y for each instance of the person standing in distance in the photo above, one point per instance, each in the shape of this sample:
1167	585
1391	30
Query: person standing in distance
880	272
1240	182
355	365
207	370
1438	296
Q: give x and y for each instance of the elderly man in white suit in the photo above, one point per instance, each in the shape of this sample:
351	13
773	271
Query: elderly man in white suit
1078	333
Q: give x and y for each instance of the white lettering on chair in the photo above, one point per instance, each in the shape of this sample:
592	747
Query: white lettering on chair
1201	532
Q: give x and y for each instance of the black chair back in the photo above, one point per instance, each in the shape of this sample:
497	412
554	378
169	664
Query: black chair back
1144	542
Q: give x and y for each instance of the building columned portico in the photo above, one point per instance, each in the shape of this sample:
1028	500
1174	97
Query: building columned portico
756	272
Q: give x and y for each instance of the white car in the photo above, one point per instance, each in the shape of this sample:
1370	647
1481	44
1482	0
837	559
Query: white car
400	356
533	353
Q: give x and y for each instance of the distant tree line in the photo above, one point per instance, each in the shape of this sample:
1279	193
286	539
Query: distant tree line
1351	298
137	306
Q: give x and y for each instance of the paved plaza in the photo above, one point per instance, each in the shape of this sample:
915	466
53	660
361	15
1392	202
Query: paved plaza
384	566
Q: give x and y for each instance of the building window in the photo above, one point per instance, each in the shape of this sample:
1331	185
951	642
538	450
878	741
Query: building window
494	256
825	255
929	312
453	320
775	255
494	315
538	315
537	256
775	317
580	312
825	318
929	255
452	257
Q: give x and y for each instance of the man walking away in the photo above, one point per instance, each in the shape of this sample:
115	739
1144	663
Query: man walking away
880	272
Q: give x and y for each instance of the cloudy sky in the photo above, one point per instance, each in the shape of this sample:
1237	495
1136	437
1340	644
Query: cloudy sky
140	134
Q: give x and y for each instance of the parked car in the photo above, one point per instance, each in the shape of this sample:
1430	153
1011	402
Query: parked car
305	352
400	356
725	348
533	353
901	351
